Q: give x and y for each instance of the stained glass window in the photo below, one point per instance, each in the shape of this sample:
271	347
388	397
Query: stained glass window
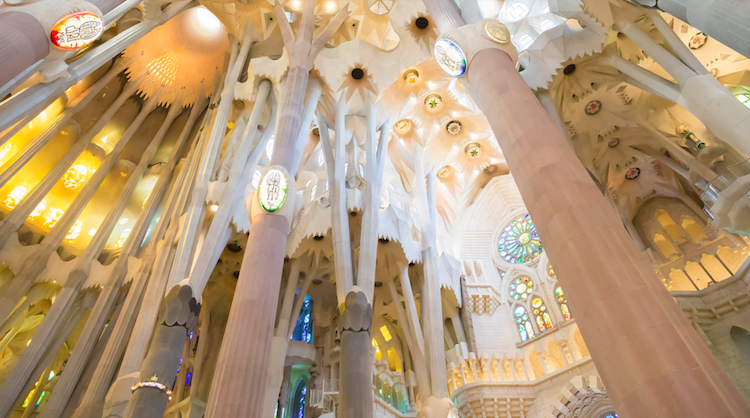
303	331
612	415
524	324
543	320
298	409
521	288
744	98
519	242
563	303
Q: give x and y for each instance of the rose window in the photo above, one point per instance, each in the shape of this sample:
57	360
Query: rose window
519	242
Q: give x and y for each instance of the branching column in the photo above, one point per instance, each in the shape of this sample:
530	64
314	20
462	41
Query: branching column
242	368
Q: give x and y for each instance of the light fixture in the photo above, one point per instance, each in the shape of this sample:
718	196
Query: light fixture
331	6
411	77
92	232
403	126
473	150
214	208
453	127
444	172
433	103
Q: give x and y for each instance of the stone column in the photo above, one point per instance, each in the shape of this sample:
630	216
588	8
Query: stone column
99	384
178	315
598	265
237	387
119	392
355	400
23	42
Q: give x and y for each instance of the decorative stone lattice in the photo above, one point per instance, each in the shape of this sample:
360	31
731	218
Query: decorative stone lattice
483	304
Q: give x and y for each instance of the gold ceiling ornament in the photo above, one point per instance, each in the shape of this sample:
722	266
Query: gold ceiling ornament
496	31
411	77
403	126
444	172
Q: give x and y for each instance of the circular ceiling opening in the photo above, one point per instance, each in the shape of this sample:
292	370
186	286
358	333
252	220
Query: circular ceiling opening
422	22
357	73
570	69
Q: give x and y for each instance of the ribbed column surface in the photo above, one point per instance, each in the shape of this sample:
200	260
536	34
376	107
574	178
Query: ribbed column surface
242	367
651	360
23	42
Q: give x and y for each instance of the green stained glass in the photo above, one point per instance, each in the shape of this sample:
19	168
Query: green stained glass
519	242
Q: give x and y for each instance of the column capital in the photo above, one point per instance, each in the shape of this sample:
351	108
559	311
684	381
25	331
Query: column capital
462	44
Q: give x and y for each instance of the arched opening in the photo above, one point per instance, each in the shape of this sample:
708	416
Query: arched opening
741	339
299	401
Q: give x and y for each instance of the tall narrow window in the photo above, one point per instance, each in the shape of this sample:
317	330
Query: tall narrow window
524	324
300	396
303	331
563	303
543	320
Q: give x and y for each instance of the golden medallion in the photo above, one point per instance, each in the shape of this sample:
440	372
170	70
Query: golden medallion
497	31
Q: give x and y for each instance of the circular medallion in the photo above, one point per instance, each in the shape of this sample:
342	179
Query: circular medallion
714	72
403	126
453	127
521	288
519	242
76	30
633	173
272	190
496	31
444	172
411	78
450	57
613	142
698	40
473	150
593	107
433	103
682	128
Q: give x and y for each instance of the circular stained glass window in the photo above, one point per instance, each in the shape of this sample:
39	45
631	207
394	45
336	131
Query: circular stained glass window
519	242
521	288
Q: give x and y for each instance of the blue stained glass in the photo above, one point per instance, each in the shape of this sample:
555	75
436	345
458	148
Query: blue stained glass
303	330
299	399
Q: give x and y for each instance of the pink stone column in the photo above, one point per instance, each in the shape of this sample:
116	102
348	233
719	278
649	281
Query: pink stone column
651	360
23	41
242	367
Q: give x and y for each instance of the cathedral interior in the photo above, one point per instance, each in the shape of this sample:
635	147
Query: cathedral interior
374	208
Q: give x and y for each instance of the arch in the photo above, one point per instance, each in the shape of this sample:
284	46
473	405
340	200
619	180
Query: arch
741	339
541	315
303	331
299	401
